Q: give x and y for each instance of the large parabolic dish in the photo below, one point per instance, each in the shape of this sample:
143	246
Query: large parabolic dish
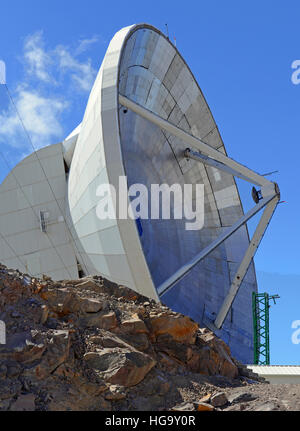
143	66
144	111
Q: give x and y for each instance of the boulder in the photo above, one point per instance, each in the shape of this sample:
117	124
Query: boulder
133	326
103	320
219	399
22	348
56	353
180	328
211	356
138	341
241	397
90	305
62	301
180	351
122	367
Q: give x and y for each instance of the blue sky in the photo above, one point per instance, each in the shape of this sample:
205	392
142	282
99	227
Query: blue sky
240	53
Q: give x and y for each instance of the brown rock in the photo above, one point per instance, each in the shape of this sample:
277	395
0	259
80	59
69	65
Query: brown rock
200	361
180	351
211	356
96	339
21	347
91	305
127	341
120	366
204	407
108	321
74	283
101	320
31	353
56	354
227	367
138	341
180	328
62	301
170	364
219	399
89	284
110	340
134	326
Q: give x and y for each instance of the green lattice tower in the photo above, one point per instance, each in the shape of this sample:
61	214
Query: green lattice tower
260	308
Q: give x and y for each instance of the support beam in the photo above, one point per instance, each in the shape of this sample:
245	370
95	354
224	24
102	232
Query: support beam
195	155
192	141
241	272
180	273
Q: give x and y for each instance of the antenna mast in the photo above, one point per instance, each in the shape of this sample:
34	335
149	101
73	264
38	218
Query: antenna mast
260	308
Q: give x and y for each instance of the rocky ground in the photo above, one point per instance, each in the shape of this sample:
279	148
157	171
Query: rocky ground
90	344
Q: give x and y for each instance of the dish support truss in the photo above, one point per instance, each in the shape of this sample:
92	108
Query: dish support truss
269	198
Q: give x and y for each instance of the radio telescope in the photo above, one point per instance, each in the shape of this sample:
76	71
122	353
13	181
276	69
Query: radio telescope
148	120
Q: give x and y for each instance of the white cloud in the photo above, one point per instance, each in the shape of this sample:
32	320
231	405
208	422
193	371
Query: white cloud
45	64
38	60
82	73
40	116
60	71
84	44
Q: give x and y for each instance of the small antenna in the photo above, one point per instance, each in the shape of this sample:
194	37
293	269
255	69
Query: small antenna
167	30
270	173
175	41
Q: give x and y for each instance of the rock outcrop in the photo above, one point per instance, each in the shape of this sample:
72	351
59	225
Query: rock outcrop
90	344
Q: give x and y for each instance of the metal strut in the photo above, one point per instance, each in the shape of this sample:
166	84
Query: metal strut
195	155
251	250
269	193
